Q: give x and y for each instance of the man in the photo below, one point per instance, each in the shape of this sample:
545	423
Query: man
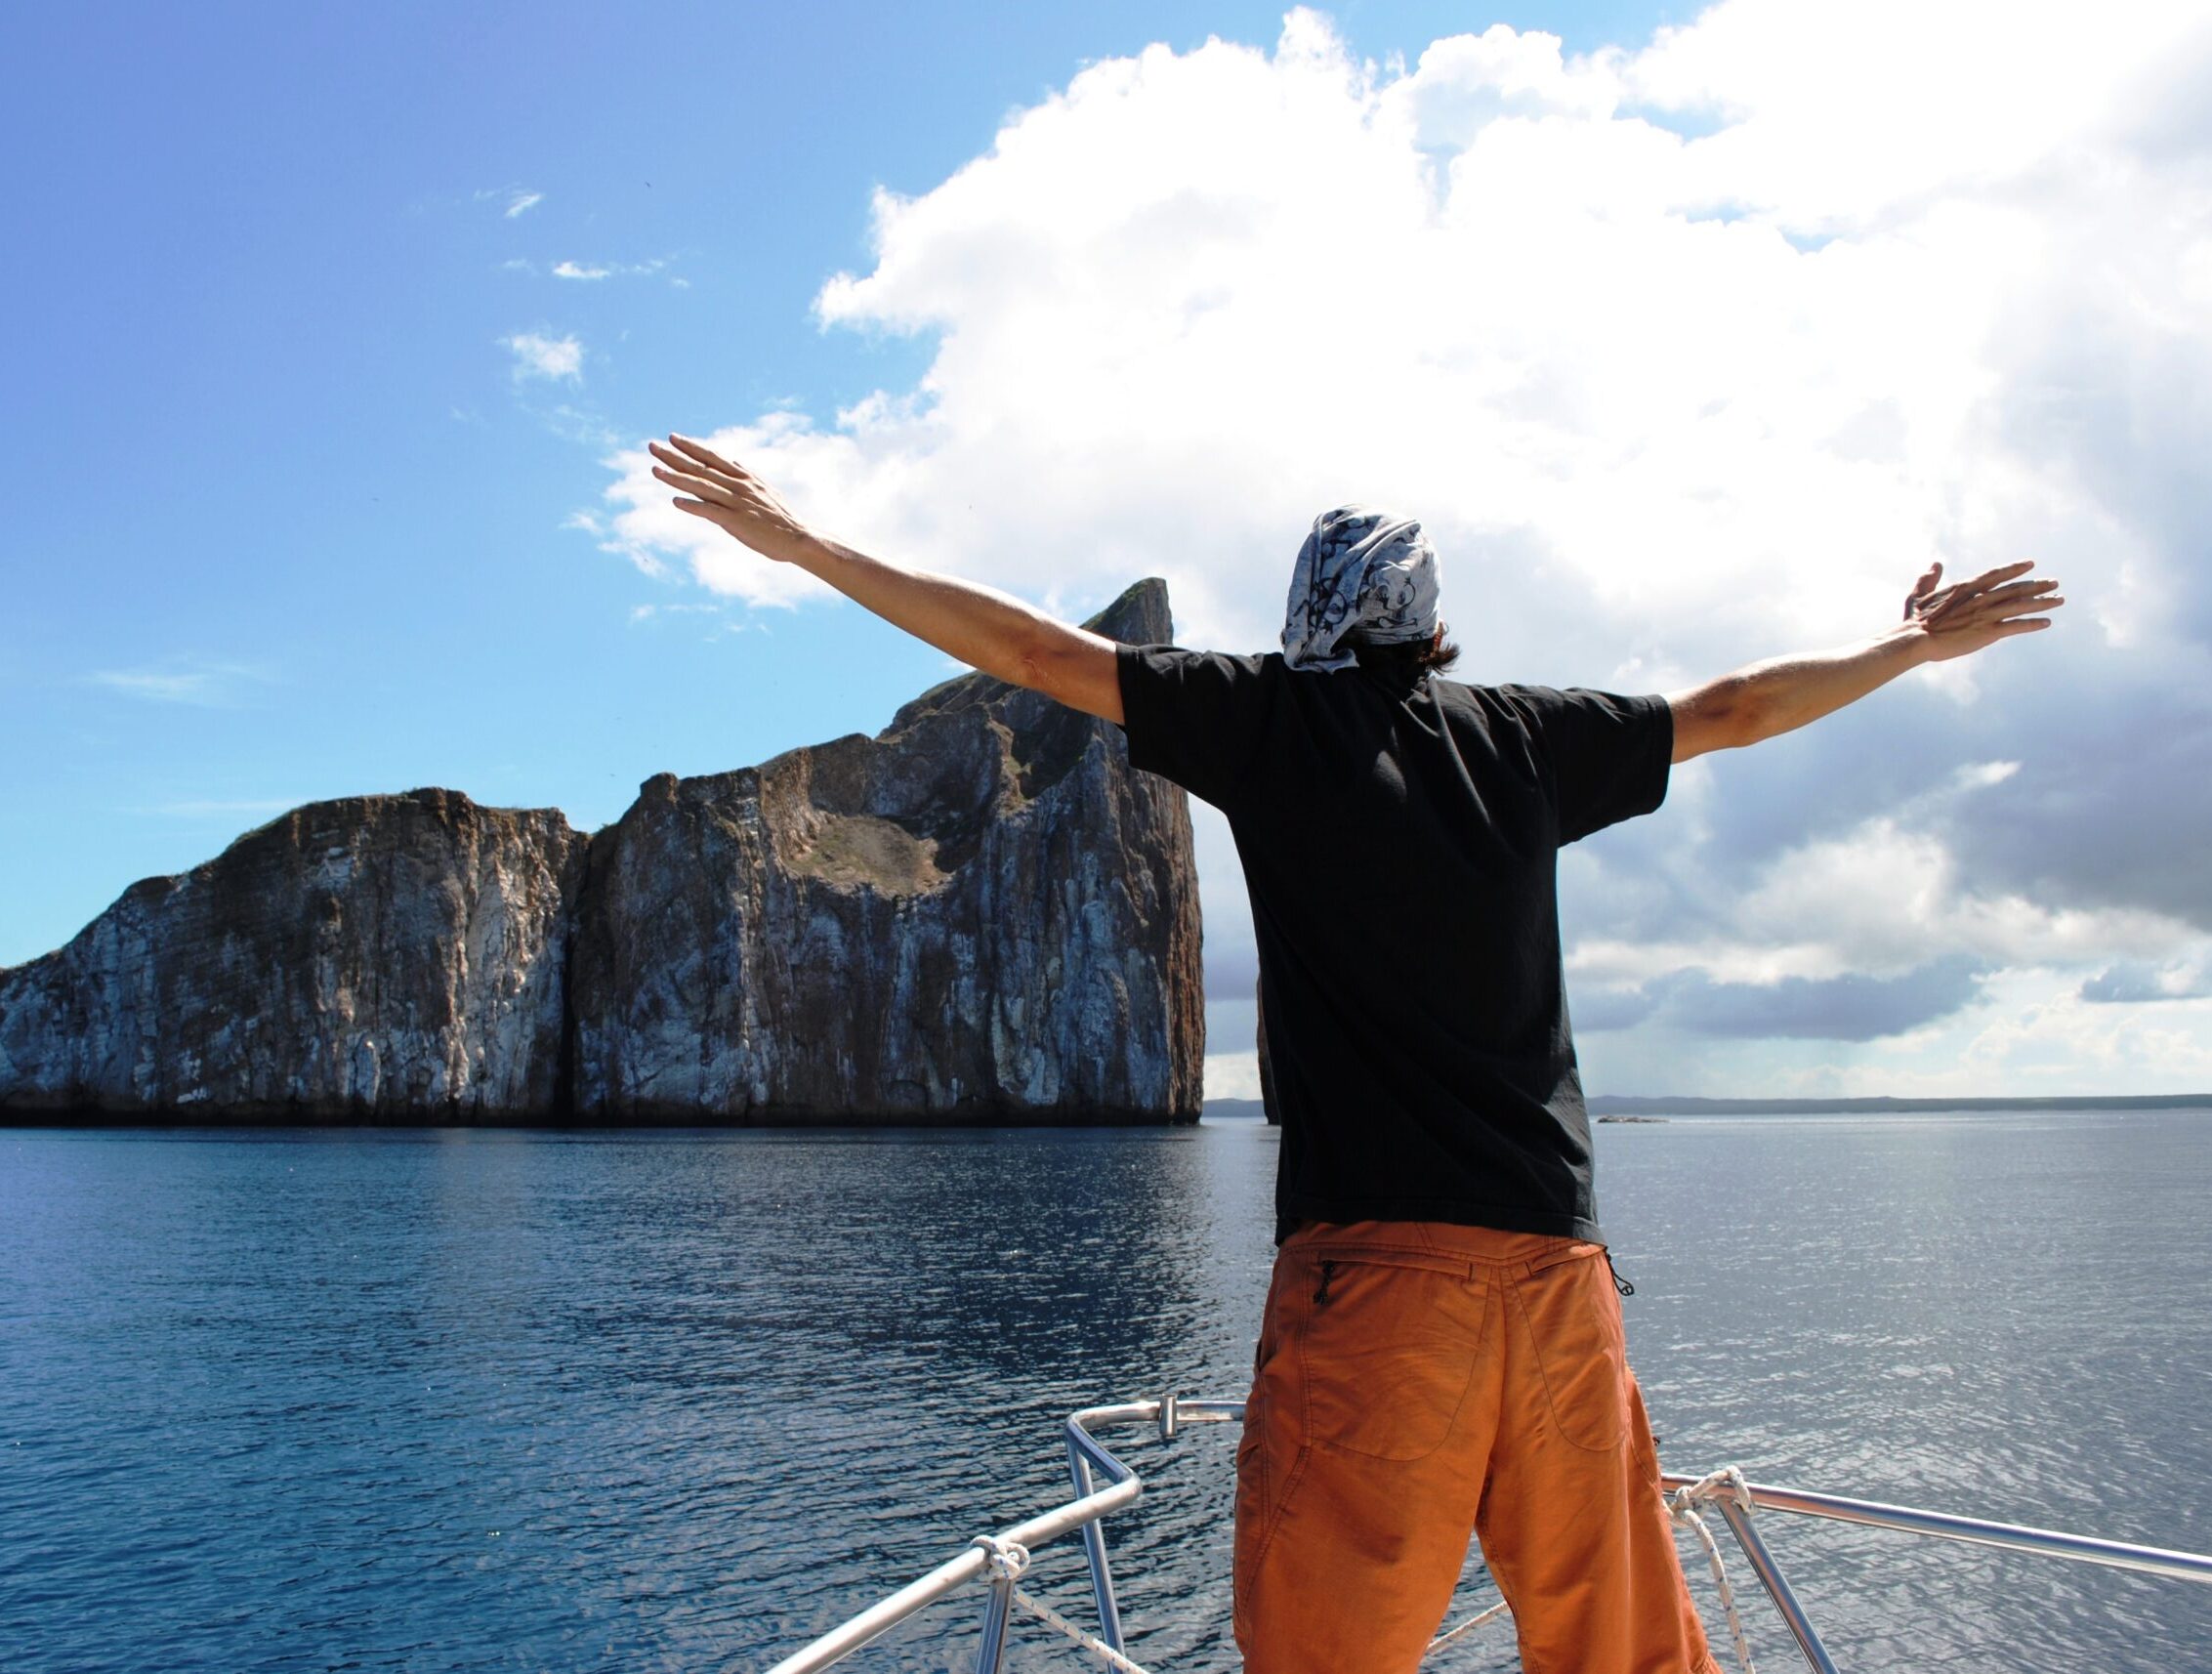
1442	1351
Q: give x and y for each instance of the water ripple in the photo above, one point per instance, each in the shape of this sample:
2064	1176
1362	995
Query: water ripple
680	1401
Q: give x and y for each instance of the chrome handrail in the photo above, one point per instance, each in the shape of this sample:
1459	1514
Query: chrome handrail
2012	1536
1087	1455
1082	1512
1170	1412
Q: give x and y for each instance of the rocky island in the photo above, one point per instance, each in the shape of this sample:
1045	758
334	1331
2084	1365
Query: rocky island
979	915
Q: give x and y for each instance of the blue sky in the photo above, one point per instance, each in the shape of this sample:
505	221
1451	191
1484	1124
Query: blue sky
292	516
283	523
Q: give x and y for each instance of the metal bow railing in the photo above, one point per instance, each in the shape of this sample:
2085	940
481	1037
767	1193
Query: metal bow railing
1003	1558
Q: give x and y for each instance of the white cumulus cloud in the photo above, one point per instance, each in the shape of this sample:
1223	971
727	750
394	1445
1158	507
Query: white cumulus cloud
1686	355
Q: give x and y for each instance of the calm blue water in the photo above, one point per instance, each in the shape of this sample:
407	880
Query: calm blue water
677	1400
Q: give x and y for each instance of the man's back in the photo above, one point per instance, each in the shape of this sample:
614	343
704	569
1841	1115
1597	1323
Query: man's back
1399	836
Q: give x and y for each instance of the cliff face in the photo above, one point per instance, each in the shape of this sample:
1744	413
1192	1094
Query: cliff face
981	915
375	958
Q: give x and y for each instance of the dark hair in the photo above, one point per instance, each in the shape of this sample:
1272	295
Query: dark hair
1415	656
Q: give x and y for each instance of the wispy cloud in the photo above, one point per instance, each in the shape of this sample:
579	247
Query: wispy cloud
198	683
550	357
609	538
513	201
607	269
580	424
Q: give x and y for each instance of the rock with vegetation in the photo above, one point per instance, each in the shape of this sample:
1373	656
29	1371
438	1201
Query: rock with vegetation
377	958
979	915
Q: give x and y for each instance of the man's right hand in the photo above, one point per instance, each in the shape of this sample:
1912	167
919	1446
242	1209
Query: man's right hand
731	497
992	631
1970	615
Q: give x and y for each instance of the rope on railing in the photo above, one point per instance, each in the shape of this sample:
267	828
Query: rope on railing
1051	1619
1726	1484
1468	1626
1008	1560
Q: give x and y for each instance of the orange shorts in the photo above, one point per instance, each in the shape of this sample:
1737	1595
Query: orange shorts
1417	1381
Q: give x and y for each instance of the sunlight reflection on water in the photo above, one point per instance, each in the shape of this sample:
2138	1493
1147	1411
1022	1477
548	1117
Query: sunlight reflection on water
476	1400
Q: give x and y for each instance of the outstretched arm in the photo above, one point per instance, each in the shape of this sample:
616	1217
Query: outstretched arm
983	627
1939	622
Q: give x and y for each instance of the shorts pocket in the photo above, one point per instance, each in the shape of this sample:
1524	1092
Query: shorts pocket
1388	1348
1574	1317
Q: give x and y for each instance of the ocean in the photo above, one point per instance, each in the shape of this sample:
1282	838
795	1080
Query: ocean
323	1400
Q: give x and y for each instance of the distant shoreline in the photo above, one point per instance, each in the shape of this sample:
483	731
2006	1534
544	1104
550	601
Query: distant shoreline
1624	1105
1627	1105
1606	1108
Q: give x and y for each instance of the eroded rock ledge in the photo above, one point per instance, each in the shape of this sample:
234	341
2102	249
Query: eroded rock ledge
979	915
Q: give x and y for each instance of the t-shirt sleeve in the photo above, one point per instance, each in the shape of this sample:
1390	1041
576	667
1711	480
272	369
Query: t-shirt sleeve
1194	717
1608	755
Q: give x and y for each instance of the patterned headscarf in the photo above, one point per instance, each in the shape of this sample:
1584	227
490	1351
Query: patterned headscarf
1364	578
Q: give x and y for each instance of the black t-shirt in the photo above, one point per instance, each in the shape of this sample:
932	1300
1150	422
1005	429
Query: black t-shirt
1400	837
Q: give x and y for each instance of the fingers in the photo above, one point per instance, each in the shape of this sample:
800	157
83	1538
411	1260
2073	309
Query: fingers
728	519
691	465
2010	593
699	485
699	456
725	494
690	475
2016	598
1963	607
1916	601
1989	578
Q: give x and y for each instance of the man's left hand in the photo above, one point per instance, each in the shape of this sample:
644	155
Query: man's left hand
1969	616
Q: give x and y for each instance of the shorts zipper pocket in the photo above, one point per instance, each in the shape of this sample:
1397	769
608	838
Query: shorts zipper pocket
1332	1267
